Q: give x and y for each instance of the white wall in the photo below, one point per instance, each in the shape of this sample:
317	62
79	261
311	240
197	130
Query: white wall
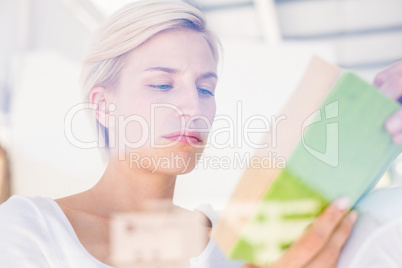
44	84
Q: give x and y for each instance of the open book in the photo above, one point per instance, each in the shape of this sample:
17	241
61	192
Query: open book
334	143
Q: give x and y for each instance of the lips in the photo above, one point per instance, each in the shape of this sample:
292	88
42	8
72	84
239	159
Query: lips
186	137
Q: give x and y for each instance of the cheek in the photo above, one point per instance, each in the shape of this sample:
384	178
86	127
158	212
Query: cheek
133	106
210	111
131	121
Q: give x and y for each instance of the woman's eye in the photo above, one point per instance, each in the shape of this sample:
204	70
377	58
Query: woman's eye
205	92
162	87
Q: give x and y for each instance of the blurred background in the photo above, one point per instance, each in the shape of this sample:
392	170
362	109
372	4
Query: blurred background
267	46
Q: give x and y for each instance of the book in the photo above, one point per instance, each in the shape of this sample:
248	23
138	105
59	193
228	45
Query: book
335	144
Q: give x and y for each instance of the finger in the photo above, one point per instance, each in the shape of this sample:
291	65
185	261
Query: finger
315	238
382	76
248	265
392	87
394	126
328	257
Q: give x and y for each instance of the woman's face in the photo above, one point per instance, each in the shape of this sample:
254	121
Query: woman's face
165	104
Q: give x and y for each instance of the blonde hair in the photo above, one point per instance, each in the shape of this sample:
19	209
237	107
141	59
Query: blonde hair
128	29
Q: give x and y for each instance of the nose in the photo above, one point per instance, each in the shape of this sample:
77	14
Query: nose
190	104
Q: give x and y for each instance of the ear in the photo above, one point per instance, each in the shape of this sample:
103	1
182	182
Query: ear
99	100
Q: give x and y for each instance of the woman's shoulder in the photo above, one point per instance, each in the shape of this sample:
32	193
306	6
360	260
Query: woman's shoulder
20	199
33	217
26	216
24	232
21	207
212	255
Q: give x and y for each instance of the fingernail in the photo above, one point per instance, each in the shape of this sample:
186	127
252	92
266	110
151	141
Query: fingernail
352	217
342	203
393	124
397	138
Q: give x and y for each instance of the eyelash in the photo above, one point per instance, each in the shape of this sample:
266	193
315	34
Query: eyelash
167	87
163	87
205	92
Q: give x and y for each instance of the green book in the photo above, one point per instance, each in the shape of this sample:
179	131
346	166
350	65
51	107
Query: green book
340	149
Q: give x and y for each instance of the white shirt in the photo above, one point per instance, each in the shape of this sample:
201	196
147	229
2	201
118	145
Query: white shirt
35	233
376	239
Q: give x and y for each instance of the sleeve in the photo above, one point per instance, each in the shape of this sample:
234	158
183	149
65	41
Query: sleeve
382	248
376	239
213	256
22	236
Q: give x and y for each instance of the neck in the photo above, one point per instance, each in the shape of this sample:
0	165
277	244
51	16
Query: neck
124	189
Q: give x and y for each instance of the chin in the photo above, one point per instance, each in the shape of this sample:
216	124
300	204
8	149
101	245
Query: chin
179	163
175	172
171	161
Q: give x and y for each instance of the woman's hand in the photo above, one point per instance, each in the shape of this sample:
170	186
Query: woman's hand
322	242
389	82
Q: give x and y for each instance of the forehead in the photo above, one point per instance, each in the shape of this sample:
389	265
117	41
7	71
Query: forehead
178	48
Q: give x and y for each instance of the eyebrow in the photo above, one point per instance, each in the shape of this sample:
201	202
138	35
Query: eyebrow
210	75
174	71
162	69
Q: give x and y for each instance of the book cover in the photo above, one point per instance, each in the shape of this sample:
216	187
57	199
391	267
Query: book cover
335	144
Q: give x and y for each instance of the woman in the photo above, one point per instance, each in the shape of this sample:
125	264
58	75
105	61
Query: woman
150	74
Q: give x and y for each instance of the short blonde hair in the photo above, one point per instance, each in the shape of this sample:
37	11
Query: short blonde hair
129	28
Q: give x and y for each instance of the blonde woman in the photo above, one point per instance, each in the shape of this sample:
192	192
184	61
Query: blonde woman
151	52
